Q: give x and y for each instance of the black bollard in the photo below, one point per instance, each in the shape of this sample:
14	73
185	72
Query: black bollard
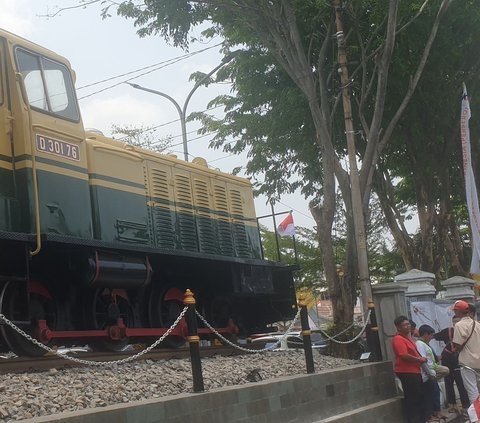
374	336
193	341
307	340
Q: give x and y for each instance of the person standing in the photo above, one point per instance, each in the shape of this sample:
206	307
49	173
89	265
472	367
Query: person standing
407	368
431	372
450	359
466	340
413	330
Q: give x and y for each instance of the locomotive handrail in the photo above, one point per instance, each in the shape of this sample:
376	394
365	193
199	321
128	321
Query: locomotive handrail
34	167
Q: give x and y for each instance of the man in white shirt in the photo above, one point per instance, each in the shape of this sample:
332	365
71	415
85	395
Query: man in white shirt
431	372
466	339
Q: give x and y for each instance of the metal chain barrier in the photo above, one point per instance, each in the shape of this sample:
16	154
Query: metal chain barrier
159	340
333	338
238	347
271	347
90	362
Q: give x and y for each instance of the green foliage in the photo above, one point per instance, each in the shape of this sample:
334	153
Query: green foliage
424	157
310	274
286	111
141	136
269	118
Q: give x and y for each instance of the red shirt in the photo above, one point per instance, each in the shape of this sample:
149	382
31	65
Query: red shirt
402	345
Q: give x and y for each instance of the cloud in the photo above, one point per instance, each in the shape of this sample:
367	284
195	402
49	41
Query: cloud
16	17
123	110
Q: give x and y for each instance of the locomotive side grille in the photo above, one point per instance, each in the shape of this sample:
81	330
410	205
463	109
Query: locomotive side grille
160	186
239	231
164	228
236	203
151	217
201	197
185	219
205	228
223	221
220	194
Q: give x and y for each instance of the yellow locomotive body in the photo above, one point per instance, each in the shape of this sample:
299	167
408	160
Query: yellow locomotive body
94	231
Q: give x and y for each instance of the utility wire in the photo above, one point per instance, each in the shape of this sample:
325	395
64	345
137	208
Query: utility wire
165	62
171	62
221	158
298	211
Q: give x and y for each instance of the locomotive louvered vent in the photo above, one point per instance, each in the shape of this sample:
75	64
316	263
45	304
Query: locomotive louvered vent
163	220
160	184
239	231
205	228
224	230
185	218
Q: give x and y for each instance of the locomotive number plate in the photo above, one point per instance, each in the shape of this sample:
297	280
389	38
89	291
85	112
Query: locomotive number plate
57	147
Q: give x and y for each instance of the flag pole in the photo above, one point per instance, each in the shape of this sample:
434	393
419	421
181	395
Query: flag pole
295	249
275	229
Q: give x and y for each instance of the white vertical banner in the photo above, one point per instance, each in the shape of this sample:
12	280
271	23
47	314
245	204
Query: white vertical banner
471	189
438	316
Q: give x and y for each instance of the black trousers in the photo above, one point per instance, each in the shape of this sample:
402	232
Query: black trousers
455	376
413	397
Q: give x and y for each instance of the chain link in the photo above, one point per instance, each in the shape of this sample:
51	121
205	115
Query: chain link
159	340
238	347
333	338
90	362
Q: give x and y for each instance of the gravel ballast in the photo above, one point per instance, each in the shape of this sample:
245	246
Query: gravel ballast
36	394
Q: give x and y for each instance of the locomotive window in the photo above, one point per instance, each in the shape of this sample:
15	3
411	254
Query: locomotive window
48	85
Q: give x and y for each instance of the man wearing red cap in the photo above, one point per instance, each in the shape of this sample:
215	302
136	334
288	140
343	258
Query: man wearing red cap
466	339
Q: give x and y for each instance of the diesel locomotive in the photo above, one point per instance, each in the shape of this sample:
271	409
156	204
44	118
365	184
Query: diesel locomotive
99	239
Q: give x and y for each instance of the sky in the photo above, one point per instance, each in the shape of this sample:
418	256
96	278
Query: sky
100	50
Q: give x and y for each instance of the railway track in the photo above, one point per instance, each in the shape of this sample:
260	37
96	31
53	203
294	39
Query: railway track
29	364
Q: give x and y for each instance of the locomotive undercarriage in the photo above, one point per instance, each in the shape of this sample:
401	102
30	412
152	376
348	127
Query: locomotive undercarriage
79	294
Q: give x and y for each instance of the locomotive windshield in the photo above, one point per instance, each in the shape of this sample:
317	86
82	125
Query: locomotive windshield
48	85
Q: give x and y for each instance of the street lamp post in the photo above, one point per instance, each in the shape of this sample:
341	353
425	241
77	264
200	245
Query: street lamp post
182	111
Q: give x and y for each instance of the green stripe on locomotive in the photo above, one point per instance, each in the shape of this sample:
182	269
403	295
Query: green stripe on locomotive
64	203
190	231
115	210
119	216
9	205
125	217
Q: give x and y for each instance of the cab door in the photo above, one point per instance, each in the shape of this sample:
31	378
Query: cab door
8	201
52	154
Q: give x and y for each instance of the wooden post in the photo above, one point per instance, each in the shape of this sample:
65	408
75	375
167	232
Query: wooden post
193	341
306	333
358	216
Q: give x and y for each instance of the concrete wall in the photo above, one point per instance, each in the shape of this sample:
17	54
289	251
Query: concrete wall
295	399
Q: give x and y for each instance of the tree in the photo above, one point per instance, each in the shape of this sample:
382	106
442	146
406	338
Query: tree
422	167
307	257
296	37
141	136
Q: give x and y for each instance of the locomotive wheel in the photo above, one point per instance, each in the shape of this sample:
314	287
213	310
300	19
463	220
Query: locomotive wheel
164	306
106	306
42	307
220	314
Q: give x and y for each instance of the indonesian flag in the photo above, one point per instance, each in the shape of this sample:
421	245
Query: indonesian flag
472	197
474	411
287	227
